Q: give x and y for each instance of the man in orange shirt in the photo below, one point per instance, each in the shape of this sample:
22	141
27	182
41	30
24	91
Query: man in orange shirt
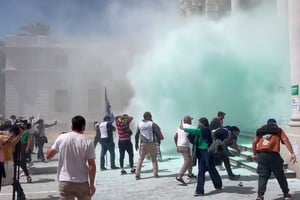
266	148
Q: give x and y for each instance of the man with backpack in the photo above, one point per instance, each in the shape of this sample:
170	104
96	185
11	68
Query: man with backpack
266	148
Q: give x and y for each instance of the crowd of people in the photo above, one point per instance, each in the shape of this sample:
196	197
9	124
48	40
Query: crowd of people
32	135
193	143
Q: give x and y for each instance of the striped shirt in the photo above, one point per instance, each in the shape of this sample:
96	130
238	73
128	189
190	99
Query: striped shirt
123	129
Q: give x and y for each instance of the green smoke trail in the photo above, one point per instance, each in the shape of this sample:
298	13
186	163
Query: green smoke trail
239	66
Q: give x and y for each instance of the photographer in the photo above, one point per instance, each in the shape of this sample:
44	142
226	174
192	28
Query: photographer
7	149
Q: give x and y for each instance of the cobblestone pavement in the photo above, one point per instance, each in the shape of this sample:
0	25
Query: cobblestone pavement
111	185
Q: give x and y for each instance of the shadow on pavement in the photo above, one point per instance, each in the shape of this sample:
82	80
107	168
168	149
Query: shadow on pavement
50	197
151	171
295	195
43	170
160	176
47	180
234	189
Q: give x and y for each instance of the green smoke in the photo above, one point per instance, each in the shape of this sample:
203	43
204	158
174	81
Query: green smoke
238	65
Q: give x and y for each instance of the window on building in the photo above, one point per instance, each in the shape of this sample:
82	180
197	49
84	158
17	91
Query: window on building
61	61
94	100
62	103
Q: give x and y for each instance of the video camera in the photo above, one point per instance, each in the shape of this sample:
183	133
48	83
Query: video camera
19	124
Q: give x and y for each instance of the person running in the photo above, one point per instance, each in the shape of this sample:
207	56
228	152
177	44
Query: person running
124	143
266	148
147	135
205	160
183	146
76	162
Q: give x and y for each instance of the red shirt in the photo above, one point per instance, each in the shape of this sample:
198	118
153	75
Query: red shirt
123	129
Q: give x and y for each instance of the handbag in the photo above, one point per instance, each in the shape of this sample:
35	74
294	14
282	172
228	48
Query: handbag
216	147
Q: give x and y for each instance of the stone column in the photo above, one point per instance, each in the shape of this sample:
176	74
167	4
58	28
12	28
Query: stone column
294	43
235	6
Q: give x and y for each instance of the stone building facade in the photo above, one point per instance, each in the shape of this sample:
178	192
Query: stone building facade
57	79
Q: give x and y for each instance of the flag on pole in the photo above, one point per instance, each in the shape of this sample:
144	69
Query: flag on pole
108	110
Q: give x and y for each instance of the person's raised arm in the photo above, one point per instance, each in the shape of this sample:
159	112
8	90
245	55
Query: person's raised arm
129	118
49	125
14	139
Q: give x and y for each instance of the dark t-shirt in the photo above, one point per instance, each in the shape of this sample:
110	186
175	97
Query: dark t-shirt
221	134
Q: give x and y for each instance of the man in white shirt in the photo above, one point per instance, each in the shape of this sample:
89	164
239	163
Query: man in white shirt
183	147
76	165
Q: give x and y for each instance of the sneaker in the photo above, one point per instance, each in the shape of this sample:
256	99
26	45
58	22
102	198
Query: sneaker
103	168
287	196
123	172
115	167
180	181
259	198
29	179
234	177
192	176
132	171
137	178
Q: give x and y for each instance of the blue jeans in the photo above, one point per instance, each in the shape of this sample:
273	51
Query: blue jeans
107	146
206	163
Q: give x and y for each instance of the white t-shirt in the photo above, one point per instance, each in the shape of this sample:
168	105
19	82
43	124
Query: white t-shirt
103	130
74	150
182	139
146	131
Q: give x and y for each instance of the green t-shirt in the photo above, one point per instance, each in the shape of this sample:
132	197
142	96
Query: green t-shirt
198	132
24	138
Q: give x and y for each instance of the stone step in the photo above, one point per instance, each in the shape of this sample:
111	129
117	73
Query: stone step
245	160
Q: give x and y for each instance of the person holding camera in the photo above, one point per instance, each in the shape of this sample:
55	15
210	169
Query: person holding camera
40	137
10	151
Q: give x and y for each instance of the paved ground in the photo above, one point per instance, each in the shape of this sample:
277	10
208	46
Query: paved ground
111	185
